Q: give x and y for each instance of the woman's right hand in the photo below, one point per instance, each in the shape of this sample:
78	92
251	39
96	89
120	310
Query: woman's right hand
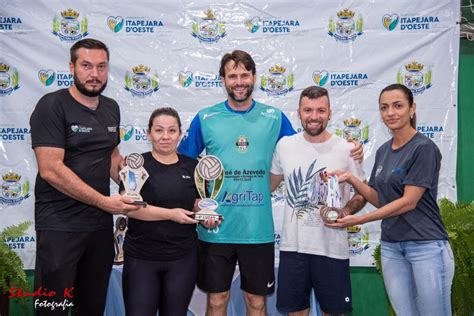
182	216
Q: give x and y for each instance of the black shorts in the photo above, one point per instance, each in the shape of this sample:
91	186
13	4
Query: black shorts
217	265
299	273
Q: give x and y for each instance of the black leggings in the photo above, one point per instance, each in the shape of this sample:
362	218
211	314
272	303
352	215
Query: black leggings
166	286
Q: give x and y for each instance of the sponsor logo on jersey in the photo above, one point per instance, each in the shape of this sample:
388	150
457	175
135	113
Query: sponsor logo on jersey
242	144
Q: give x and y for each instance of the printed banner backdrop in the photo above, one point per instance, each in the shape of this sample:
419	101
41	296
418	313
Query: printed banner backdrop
167	53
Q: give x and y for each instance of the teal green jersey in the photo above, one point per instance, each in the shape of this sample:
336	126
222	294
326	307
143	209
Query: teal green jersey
244	142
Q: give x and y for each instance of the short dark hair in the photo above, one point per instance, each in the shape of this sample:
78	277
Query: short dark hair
238	57
314	92
88	43
408	95
164	111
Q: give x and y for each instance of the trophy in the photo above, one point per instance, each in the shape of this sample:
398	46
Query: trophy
119	236
209	178
133	176
333	208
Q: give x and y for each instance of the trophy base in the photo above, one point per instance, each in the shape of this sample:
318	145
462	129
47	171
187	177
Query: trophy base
330	215
205	217
142	203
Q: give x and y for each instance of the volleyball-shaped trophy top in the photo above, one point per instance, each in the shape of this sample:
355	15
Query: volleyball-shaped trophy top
134	161
209	167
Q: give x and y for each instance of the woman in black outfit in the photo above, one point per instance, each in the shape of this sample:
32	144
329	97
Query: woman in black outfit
160	267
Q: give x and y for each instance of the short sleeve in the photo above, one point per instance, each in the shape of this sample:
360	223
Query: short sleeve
47	122
423	169
276	165
286	128
192	143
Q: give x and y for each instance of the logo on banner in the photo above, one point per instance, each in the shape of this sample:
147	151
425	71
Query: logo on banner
415	78
70	28
133	25
390	21
9	79
352	130
277	83
14	191
130	133
199	80
252	25
358	241
277	238
10	133
10	23
346	29
48	76
408	23
339	78
20	242
140	83
208	29
320	77
126	132
270	25
430	131
185	78
115	23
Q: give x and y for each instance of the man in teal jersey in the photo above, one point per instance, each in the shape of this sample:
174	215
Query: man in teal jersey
242	133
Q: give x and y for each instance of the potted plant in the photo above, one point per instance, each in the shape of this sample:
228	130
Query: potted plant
11	266
459	221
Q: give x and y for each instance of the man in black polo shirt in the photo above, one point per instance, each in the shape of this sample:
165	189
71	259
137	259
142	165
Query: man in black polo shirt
75	133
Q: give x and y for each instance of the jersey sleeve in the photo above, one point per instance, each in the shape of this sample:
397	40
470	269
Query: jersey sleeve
192	143
286	128
424	166
47	122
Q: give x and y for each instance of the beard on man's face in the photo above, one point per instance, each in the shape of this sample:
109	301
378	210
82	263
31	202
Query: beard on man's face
247	95
314	131
88	92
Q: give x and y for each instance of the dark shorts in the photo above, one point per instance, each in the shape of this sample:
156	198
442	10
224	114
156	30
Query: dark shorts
298	273
217	265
